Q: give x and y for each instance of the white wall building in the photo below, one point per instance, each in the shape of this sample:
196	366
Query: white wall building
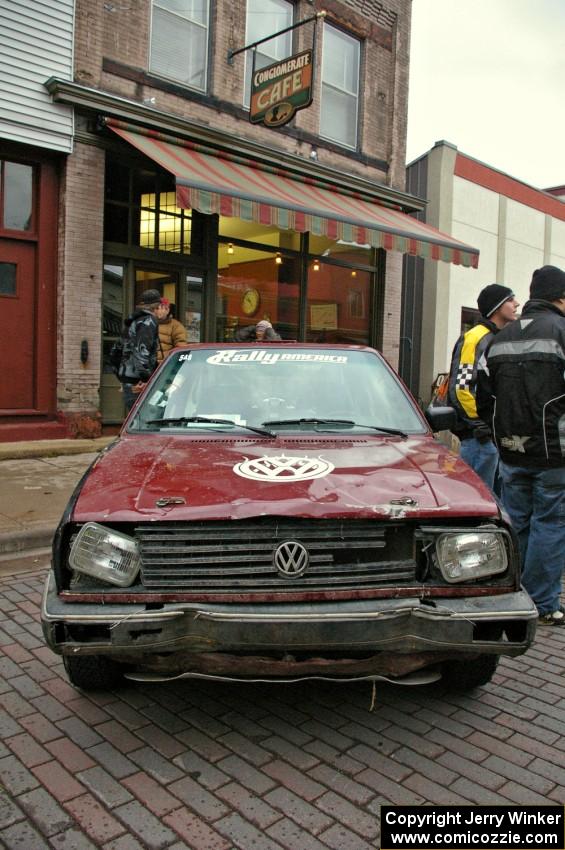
516	227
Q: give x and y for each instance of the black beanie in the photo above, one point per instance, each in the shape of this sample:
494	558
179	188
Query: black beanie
548	283
492	297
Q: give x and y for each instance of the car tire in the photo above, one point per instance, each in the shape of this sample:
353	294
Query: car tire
466	675
92	672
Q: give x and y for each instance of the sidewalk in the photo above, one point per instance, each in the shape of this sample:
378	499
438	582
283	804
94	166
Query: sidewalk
36	481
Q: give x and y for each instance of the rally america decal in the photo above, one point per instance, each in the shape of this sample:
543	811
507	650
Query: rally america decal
267	358
282	468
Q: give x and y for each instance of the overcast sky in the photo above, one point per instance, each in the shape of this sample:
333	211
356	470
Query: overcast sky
489	77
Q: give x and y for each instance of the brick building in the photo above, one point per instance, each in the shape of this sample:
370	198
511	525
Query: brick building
170	186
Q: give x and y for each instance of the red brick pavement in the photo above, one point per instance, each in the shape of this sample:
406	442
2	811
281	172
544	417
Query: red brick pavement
208	766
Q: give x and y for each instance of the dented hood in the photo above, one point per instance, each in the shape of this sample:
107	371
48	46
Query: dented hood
176	477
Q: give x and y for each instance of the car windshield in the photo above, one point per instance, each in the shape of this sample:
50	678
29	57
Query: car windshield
275	389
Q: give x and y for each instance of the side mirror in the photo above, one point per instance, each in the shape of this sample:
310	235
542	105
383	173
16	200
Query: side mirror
441	418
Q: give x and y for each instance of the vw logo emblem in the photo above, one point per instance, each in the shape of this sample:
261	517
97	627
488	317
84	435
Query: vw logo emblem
291	558
281	468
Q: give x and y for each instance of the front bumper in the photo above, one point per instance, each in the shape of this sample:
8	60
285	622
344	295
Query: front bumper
361	638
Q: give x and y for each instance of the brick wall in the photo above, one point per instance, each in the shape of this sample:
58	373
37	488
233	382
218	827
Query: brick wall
89	35
383	30
392	302
80	280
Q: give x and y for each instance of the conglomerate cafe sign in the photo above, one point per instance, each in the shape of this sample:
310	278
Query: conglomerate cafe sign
279	90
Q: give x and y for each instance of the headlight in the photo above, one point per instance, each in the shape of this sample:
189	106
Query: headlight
471	555
105	554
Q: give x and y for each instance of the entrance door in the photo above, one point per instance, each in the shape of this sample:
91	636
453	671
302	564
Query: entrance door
17	340
123	285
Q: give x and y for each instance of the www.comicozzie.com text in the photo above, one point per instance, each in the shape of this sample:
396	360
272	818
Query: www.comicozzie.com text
404	828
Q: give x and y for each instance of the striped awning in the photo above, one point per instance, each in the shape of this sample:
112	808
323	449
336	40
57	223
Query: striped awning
227	184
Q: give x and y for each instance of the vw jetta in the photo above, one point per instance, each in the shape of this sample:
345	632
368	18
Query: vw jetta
282	512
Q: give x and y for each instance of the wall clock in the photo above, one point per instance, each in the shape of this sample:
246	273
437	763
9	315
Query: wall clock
250	301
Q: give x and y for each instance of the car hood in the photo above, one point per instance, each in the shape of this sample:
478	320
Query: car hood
176	477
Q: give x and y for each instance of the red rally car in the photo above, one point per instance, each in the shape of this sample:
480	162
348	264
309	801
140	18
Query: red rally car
280	512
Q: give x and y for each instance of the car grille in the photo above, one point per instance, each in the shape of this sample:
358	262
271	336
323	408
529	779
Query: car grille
239	555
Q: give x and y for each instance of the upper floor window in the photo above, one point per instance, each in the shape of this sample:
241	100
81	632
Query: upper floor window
340	87
265	17
179	41
16	195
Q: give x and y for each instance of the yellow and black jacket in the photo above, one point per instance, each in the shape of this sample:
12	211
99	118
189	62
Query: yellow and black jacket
463	379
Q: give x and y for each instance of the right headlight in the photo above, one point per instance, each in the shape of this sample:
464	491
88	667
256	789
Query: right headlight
464	556
105	554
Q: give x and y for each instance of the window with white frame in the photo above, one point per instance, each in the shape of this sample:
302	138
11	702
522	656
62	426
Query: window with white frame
265	17
340	87
179	41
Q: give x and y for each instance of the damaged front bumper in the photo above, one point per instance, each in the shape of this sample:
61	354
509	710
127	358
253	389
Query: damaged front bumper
350	639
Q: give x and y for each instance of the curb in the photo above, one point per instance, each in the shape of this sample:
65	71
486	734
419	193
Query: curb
52	448
39	537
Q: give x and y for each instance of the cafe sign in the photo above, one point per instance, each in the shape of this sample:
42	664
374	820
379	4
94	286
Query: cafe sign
279	90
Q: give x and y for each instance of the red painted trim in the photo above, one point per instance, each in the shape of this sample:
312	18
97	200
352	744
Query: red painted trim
502	184
47	429
41	421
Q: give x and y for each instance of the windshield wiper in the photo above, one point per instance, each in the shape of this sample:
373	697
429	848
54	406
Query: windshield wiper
347	422
182	420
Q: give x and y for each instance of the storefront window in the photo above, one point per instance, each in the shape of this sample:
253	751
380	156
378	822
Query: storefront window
164	225
141	209
338	304
264	234
255	285
347	252
16	187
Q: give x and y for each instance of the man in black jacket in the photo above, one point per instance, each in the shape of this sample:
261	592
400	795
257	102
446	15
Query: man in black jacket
141	341
521	394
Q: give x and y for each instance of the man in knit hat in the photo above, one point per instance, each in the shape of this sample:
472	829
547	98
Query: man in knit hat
521	394
497	305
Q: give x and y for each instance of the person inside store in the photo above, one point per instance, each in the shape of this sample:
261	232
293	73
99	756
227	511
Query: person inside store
521	395
172	333
497	305
263	331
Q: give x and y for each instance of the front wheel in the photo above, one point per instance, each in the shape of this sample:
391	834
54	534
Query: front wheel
92	672
468	674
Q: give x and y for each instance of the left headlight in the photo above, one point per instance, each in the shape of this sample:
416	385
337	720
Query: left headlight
105	554
471	555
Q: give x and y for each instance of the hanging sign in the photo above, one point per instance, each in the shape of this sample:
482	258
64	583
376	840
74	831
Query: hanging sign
279	90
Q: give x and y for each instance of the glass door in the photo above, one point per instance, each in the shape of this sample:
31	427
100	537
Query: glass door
124	282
